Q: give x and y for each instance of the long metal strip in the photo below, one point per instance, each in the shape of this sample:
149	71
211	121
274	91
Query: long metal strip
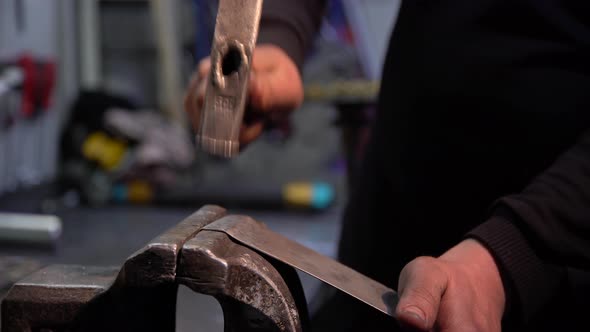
257	236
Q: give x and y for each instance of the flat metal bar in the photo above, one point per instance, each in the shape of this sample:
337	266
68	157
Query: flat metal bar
257	236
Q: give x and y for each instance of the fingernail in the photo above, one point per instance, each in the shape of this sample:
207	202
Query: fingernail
416	315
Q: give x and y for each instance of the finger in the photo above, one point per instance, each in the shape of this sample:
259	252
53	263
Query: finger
194	99
200	96
198	100
190	101
251	132
190	93
421	286
204	68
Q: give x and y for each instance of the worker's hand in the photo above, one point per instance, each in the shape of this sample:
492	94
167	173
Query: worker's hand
275	90
459	291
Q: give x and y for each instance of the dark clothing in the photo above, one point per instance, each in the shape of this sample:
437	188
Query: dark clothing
480	131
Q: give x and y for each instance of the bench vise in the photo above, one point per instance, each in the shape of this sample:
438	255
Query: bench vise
225	256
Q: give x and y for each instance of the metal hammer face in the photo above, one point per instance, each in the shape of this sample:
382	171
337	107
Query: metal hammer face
236	31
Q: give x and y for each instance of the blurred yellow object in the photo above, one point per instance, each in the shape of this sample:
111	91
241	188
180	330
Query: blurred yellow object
140	192
107	152
298	193
353	90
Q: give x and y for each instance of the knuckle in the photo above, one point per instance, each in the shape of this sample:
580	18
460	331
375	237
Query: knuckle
204	62
424	261
419	265
203	67
430	266
421	297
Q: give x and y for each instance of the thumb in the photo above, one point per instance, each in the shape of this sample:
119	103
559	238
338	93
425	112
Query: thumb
421	286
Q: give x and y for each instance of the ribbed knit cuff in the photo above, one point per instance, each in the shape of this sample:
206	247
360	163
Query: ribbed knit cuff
528	281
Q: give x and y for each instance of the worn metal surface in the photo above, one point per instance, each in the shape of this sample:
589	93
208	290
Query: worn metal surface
78	298
257	236
13	269
236	31
140	296
253	294
156	263
53	296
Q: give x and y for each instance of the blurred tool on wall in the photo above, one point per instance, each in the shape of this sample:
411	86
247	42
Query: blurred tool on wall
27	147
36	230
107	139
113	152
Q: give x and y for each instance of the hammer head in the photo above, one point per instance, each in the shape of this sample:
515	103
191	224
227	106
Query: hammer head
236	31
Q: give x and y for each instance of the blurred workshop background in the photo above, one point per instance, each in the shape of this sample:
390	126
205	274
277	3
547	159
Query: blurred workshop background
97	157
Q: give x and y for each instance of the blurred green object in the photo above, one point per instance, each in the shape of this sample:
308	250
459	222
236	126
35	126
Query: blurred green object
29	229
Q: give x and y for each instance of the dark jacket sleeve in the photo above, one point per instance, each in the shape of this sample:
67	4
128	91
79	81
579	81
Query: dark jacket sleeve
291	25
536	234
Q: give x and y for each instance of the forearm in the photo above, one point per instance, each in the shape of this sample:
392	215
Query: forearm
291	25
535	234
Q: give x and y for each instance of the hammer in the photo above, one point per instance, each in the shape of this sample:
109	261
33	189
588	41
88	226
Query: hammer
236	31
